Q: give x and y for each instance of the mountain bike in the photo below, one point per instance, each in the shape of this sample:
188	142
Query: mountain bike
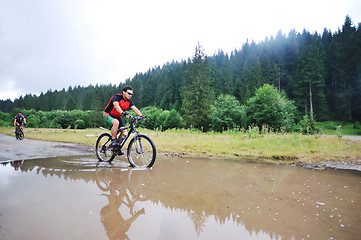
19	134
141	150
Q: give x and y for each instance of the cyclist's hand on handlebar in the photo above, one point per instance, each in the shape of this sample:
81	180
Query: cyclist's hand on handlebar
125	114
144	118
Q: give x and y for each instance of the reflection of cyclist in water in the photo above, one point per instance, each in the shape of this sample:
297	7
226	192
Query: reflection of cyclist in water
119	195
114	223
16	164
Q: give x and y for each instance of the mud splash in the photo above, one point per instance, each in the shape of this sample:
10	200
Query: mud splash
78	198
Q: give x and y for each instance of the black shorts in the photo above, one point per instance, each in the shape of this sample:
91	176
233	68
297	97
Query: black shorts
109	118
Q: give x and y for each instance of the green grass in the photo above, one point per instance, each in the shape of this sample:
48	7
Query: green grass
347	128
269	147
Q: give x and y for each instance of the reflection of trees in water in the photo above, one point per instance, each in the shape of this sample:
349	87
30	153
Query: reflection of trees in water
170	188
59	169
254	199
198	221
246	199
120	191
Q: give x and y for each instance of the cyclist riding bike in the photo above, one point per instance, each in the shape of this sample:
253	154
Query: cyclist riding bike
115	110
19	121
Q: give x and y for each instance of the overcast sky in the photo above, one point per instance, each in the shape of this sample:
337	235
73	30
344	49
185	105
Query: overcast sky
54	44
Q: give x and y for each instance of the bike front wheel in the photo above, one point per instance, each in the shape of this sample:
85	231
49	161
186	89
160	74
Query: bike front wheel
102	149
21	135
141	151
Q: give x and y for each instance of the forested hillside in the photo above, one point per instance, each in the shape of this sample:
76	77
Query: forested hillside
321	73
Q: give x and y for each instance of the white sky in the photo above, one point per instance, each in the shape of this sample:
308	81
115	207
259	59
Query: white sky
54	44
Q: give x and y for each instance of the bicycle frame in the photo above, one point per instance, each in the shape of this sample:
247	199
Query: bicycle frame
19	132
18	127
132	129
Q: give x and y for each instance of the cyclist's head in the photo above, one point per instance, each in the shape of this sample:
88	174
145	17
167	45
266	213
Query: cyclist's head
127	87
19	114
127	92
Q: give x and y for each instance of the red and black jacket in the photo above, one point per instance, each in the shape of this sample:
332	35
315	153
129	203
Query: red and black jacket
124	105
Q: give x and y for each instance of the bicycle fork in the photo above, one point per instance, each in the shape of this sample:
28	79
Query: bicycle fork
138	144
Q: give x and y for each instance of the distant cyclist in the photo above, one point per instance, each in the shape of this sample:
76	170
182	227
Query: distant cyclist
115	109
19	121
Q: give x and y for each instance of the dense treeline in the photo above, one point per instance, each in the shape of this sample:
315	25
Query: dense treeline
268	110
320	73
77	119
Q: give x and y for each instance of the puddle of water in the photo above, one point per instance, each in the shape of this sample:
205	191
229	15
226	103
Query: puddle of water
78	198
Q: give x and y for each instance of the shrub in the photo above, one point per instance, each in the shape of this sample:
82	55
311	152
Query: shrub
6	120
79	124
33	121
151	113
163	120
308	125
173	120
226	113
270	107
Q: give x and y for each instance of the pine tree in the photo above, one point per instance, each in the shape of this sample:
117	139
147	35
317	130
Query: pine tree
96	100
197	92
70	104
311	83
349	60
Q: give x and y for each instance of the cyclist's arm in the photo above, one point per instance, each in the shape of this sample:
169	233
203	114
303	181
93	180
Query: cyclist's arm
117	107
25	120
14	121
136	110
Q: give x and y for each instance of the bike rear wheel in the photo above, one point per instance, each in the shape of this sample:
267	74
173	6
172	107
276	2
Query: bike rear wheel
102	149
141	151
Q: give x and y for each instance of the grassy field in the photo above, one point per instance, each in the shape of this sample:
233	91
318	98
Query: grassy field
269	147
330	127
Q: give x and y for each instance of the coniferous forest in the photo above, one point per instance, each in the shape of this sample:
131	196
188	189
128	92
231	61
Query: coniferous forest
319	74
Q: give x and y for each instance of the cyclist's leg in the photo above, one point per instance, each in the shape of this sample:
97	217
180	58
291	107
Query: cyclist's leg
115	124
114	129
121	125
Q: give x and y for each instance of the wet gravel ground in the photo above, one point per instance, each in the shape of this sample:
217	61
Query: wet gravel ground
354	138
12	149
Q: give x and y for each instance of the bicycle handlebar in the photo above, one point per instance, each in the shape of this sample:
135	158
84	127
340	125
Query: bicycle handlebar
136	119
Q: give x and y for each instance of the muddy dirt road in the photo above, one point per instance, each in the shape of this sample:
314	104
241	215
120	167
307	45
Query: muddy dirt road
12	149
